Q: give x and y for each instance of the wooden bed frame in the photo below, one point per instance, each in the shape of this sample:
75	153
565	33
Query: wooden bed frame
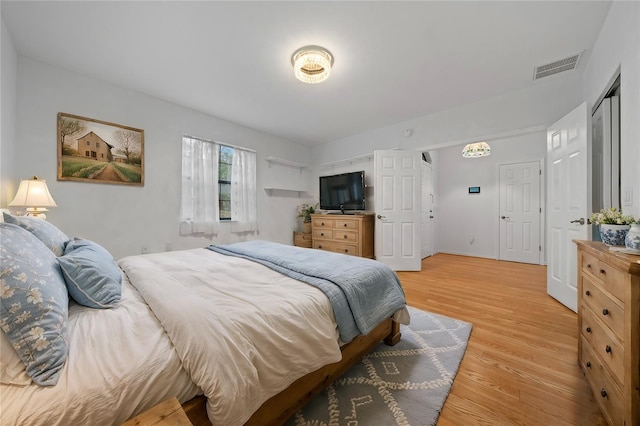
282	406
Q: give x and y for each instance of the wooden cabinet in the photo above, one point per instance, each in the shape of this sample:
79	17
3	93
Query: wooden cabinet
346	234
608	321
301	239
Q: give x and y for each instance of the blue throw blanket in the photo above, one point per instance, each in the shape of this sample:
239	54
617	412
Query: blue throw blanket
363	292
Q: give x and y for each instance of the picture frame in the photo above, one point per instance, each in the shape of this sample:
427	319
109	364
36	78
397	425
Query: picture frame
97	151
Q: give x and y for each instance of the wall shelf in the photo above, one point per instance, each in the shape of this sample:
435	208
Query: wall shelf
271	191
288	163
348	161
352	160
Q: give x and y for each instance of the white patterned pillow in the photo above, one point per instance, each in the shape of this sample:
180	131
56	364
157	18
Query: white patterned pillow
46	232
34	304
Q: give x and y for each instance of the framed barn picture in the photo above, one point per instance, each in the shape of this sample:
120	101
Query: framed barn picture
100	152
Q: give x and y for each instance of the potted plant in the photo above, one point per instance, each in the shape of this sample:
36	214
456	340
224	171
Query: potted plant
305	211
614	225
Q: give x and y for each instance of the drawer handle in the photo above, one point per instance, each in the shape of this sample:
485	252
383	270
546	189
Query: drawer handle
603	272
603	393
607	349
605	312
588	266
345	236
322	223
322	234
346	250
320	246
588	364
588	330
588	293
345	225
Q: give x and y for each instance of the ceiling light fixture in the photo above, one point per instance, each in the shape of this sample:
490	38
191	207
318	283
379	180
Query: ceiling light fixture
475	150
312	64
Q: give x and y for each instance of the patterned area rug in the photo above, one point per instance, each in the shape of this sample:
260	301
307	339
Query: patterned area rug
406	384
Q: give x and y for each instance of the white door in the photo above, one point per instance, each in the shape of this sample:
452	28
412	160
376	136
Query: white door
568	201
397	191
426	227
520	212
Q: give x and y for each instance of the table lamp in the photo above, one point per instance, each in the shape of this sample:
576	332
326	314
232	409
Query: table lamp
35	196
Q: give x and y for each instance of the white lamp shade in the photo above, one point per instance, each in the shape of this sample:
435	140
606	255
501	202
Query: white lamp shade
33	193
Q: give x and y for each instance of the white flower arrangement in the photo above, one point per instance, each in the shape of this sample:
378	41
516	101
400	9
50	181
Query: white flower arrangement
611	216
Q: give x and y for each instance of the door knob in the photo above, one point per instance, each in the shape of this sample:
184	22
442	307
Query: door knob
381	217
504	217
580	221
430	217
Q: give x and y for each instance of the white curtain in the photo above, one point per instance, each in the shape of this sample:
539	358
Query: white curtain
244	217
199	212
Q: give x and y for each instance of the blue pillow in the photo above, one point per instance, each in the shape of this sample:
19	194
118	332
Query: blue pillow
34	304
91	273
46	232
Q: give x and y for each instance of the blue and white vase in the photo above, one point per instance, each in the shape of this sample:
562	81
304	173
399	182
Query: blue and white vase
613	235
632	240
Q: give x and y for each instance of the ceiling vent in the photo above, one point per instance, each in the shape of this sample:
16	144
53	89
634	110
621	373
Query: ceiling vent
556	67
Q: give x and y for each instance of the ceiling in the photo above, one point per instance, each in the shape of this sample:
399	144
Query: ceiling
394	60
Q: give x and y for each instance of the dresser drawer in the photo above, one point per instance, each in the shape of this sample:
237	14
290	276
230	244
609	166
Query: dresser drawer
605	391
346	224
345	236
612	279
350	249
322	223
323	234
605	308
603	343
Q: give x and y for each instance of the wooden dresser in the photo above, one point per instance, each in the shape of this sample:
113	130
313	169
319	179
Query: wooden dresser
608	321
346	234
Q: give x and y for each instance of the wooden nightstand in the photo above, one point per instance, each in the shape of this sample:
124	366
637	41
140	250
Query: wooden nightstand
169	412
301	240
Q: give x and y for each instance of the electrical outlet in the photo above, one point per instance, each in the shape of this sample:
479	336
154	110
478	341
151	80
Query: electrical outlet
472	239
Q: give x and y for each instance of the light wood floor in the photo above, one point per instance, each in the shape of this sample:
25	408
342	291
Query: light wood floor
520	367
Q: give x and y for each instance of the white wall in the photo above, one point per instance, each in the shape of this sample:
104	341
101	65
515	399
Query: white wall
126	218
468	224
508	122
538	106
8	79
618	45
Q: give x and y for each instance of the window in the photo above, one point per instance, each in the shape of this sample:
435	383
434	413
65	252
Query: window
224	181
88	143
218	184
86	153
97	144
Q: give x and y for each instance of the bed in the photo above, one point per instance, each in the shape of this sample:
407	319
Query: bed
236	341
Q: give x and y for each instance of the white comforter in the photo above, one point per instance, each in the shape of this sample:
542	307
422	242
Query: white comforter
243	339
120	363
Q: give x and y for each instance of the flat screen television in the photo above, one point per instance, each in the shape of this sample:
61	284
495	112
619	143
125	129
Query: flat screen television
342	192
